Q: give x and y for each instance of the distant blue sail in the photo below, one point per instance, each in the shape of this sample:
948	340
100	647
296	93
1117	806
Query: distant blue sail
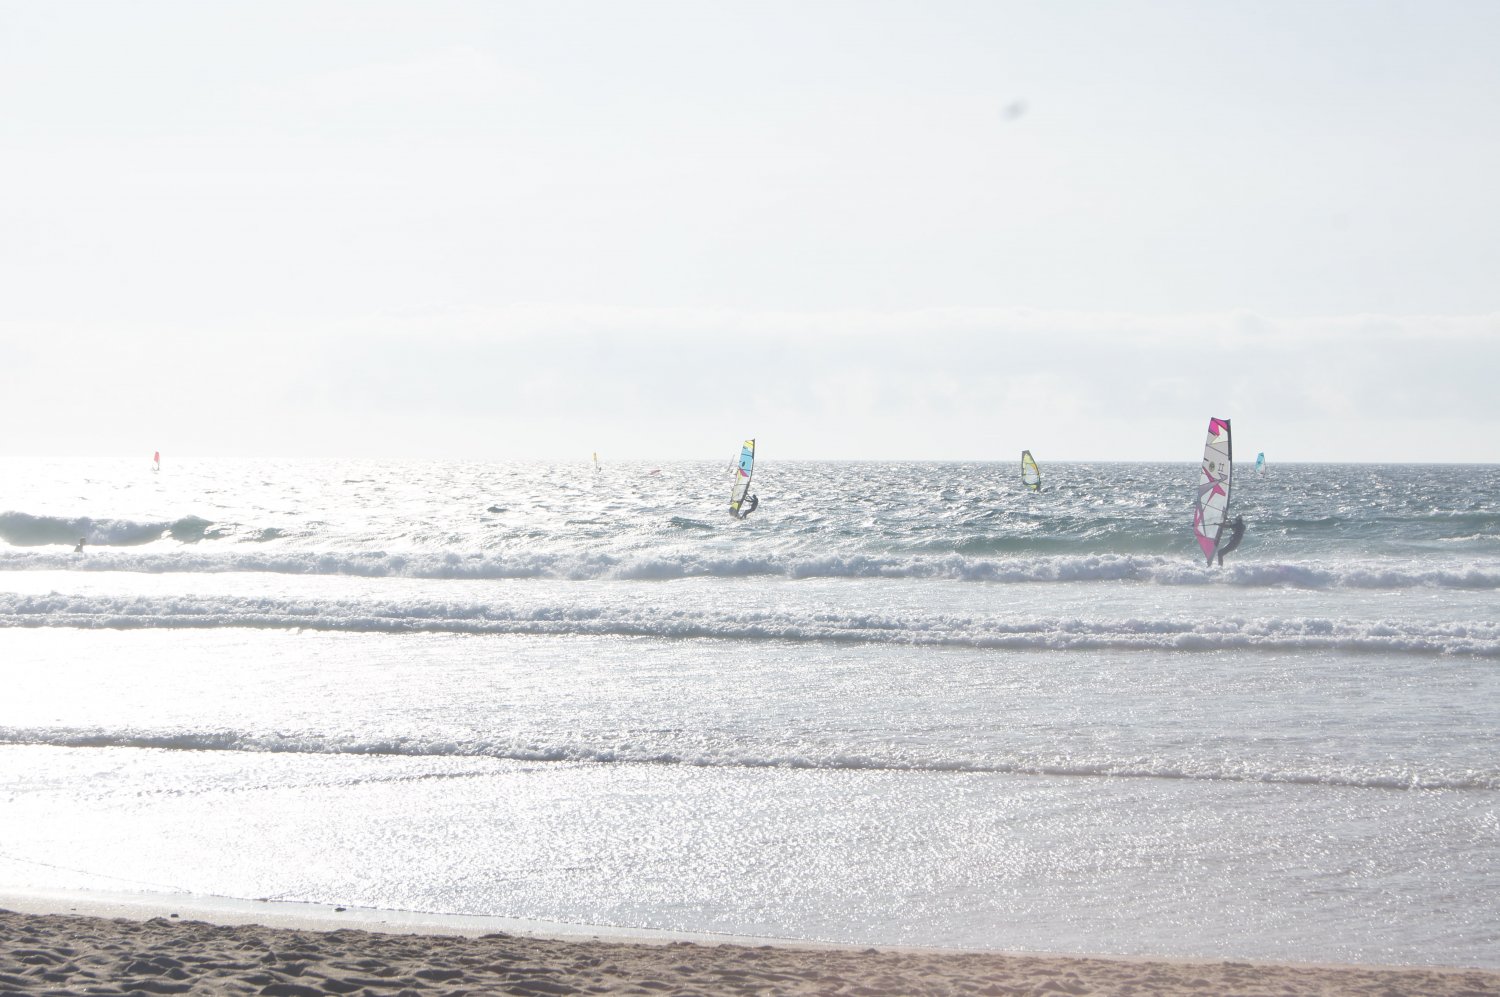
1260	462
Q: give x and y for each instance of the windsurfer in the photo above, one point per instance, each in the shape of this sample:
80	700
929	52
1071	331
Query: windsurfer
1236	534
81	542
748	506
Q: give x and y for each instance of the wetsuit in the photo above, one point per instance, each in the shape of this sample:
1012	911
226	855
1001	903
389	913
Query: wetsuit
1236	534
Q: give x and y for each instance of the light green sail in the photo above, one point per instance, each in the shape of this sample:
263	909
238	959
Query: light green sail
1031	475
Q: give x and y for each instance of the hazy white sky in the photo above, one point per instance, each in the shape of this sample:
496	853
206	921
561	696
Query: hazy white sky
852	230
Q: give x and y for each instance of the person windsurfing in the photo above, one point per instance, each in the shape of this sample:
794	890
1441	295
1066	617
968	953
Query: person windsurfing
1236	534
81	542
748	506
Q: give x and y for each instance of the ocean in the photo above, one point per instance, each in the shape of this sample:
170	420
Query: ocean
901	704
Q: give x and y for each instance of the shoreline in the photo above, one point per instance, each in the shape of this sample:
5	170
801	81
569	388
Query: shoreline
312	916
76	939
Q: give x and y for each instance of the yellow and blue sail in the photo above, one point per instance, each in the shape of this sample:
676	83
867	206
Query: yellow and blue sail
742	476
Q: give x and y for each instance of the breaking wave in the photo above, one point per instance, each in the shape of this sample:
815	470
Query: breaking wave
666	567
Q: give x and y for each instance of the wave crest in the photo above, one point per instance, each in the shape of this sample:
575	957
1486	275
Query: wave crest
20	529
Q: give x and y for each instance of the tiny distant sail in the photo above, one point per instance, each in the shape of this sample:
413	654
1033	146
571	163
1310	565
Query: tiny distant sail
156	461
1211	508
742	477
1260	462
1031	475
596	460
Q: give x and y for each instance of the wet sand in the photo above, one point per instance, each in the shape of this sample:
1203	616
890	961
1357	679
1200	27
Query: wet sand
71	954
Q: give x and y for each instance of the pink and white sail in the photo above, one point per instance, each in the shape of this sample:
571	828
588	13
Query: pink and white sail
1211	509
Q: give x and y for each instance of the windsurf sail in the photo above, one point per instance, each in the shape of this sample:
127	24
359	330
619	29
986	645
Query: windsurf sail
1031	475
596	460
156	461
1211	508
1260	462
742	477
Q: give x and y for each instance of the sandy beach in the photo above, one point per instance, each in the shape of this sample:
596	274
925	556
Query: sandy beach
72	954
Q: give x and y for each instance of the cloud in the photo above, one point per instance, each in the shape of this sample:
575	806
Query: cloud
457	86
543	380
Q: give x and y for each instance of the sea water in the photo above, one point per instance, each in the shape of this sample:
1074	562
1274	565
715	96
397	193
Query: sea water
908	704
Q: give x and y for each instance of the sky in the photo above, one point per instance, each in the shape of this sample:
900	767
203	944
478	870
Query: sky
853	230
